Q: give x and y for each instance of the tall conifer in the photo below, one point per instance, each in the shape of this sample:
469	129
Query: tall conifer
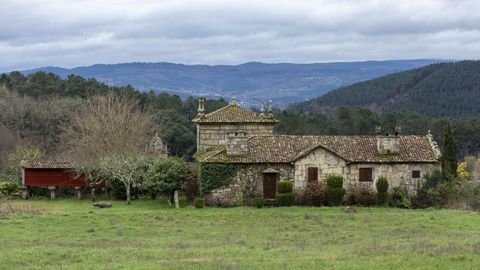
449	158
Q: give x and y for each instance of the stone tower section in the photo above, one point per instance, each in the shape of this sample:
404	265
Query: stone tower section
212	128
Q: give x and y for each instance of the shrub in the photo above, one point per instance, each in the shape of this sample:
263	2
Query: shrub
399	198
382	184
382	190
351	198
334	181
38	191
199	202
335	191
258	202
213	176
438	190
365	197
314	194
190	187
284	186
285	199
118	190
9	188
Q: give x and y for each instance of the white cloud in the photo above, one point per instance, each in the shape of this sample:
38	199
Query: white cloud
73	33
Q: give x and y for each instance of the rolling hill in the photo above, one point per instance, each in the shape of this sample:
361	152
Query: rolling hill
444	89
285	83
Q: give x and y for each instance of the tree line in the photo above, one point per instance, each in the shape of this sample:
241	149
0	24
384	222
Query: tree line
36	109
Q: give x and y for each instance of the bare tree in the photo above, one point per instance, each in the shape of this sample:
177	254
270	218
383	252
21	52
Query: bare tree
108	130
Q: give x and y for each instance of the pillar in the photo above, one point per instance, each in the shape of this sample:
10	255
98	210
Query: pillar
78	192
175	195
25	193
52	192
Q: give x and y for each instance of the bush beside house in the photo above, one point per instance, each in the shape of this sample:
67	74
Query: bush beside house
285	196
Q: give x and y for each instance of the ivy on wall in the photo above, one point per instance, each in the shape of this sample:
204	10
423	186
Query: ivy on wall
215	175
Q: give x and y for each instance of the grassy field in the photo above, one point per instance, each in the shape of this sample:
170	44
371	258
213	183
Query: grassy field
70	234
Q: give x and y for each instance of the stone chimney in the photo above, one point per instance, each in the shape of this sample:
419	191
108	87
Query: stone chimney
237	143
388	143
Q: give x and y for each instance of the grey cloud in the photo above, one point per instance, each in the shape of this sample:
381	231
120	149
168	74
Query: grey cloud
73	33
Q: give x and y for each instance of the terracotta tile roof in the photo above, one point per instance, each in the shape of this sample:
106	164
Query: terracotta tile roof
47	164
234	114
286	149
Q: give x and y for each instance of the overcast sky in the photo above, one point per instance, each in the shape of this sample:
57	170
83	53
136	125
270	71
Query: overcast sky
77	33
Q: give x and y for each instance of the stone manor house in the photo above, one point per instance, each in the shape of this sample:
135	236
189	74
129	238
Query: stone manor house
236	135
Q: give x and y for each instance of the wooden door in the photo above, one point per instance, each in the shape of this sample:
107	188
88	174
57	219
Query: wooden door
269	185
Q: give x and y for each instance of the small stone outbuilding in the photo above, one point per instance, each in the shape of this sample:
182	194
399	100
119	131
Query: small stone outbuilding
235	135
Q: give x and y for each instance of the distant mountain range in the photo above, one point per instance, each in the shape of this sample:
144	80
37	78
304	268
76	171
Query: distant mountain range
444	89
284	83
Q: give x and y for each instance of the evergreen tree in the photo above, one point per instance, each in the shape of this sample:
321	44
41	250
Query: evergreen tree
449	159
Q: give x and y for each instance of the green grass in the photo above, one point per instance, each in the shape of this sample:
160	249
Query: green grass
149	235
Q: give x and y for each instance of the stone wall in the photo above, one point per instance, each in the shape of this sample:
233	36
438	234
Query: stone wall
247	184
211	135
398	174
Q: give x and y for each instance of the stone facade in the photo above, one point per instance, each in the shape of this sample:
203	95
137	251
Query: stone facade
215	134
247	184
398	174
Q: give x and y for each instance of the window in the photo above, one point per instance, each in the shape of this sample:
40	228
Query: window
365	174
415	174
312	174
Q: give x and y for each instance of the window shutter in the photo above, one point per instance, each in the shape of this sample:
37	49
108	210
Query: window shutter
312	174
365	174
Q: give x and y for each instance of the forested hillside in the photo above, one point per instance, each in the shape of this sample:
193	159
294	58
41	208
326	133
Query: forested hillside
284	82
34	110
445	89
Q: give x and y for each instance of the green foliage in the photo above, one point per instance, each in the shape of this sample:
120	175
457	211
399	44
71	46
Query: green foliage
382	184
285	199
449	155
334	181
213	176
199	203
190	186
127	171
166	175
118	190
445	89
365	197
9	188
335	191
469	193
13	169
284	186
258	202
313	195
382	190
399	198
438	190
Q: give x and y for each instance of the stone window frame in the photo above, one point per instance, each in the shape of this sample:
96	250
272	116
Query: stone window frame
371	174
416	174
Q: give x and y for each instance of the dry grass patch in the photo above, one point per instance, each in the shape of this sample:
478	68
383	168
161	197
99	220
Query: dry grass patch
7	208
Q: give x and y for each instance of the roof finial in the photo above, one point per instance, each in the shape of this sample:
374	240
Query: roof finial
398	130
270	108
201	107
262	108
234	100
